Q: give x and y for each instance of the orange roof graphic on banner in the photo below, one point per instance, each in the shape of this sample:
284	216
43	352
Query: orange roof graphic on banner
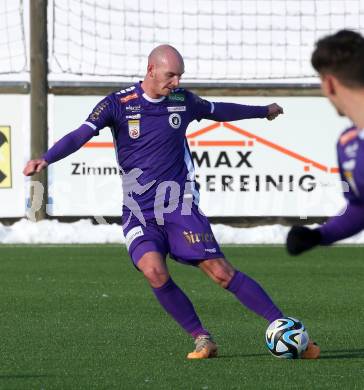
225	143
253	138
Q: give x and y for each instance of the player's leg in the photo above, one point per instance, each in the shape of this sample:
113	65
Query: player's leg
191	239
148	245
245	289
174	301
154	268
250	294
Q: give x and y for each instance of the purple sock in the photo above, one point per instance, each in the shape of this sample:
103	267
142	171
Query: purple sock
176	303
250	294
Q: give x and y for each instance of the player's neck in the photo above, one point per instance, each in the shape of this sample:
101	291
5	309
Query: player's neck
355	109
148	89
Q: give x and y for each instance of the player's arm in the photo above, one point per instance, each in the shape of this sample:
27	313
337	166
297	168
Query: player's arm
61	149
350	222
226	112
71	142
302	238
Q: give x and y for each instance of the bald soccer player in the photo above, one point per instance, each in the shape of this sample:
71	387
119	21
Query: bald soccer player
161	216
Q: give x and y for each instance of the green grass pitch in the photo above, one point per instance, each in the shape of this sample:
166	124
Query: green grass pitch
81	317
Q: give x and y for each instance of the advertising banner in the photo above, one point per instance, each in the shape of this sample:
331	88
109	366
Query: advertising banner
255	167
14	150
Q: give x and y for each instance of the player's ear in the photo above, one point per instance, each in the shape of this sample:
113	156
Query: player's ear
151	70
331	85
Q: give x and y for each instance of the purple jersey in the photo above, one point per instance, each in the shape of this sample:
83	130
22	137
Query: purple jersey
350	150
150	142
149	134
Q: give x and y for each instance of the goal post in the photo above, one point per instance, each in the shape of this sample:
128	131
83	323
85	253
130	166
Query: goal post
39	95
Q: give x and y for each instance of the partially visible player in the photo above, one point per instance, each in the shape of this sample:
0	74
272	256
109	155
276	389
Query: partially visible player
339	60
160	212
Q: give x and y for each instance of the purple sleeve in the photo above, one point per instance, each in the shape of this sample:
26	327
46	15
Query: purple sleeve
343	226
225	112
69	144
102	114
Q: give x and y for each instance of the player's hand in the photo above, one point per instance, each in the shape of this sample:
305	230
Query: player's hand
273	111
302	238
34	166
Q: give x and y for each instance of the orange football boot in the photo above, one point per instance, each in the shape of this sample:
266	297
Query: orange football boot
205	348
312	351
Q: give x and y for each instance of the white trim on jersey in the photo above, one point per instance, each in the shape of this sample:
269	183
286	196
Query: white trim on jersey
191	175
93	127
146	97
361	134
212	108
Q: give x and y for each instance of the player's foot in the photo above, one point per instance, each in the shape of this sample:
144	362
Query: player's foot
205	348
312	351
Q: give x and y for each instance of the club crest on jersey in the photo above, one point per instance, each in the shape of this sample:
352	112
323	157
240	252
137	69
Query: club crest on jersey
134	129
175	120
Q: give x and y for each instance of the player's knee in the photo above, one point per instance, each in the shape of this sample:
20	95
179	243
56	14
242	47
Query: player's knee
156	277
222	275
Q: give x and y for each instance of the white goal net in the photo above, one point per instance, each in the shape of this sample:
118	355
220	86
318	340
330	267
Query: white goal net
221	40
13	53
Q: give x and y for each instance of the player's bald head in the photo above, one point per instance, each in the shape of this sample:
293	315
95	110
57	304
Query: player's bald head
164	71
165	54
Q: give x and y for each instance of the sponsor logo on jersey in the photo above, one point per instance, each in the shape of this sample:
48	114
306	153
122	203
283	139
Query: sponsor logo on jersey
134	129
132	234
348	136
176	109
126	98
349	165
175	120
133	108
176	97
5	157
351	150
134	116
98	110
195	238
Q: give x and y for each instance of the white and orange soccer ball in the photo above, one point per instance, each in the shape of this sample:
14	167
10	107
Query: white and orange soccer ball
286	338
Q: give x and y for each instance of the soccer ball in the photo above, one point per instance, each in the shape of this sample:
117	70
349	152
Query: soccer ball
286	338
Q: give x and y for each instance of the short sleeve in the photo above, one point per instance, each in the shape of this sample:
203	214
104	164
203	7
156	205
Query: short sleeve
101	116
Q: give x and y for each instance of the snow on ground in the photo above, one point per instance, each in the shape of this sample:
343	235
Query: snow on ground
85	232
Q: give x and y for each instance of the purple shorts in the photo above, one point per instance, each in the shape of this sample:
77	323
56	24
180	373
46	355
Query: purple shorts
186	238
